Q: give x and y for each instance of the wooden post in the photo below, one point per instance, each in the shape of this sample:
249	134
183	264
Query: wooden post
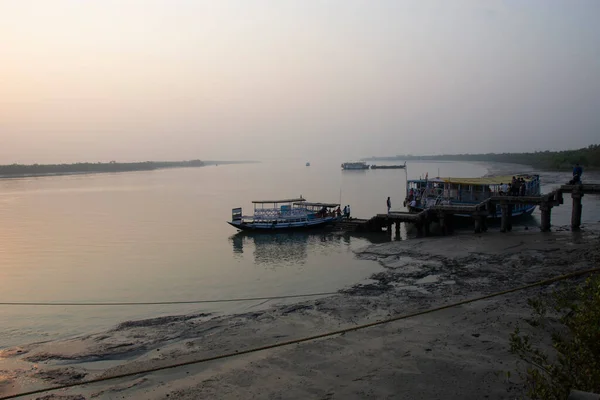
546	210
450	223
484	225
398	228
443	222
477	223
505	224
419	228
576	195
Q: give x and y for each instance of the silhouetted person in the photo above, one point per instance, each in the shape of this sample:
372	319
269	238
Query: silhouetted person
577	172
389	204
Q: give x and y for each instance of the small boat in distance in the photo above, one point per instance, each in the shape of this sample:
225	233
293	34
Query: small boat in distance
277	215
389	166
355	165
425	193
308	164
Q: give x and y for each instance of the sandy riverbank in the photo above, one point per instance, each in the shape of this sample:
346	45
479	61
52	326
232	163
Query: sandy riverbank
459	353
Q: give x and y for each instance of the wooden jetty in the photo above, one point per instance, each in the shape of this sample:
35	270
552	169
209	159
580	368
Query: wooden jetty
445	214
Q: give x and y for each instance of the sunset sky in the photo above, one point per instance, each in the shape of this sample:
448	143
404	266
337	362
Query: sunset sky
129	80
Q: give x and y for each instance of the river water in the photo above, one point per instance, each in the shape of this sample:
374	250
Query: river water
161	236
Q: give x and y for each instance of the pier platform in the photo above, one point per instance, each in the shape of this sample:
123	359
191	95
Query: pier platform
444	214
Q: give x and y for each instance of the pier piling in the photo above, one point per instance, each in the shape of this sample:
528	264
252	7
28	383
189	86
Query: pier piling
576	195
446	213
546	210
505	223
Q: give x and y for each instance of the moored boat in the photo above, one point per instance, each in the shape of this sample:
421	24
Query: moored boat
388	166
355	165
422	194
289	214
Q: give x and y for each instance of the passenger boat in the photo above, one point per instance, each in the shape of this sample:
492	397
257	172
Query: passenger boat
277	215
355	165
425	193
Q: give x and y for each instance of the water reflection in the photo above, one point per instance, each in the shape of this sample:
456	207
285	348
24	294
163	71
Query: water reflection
286	248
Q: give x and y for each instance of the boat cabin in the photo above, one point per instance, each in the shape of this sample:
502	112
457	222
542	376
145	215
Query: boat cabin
319	210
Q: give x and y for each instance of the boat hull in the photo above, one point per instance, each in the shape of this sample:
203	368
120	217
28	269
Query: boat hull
283	226
388	167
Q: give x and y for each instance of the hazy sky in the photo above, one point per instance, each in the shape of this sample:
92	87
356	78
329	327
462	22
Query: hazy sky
222	79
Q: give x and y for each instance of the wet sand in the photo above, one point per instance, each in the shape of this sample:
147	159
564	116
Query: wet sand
459	353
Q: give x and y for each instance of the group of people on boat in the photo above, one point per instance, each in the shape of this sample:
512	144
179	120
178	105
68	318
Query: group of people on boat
324	212
517	187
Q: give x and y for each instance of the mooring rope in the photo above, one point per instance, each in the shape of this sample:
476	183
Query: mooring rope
157	303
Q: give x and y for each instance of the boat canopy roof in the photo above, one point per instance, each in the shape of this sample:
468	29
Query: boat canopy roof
489	180
328	205
278	201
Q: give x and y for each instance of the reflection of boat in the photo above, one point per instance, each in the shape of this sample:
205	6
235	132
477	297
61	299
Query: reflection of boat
425	193
355	165
284	215
388	166
280	248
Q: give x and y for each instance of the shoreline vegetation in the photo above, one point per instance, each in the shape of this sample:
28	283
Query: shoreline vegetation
23	170
588	157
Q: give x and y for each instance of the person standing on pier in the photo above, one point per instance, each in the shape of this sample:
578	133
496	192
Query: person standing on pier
577	172
389	204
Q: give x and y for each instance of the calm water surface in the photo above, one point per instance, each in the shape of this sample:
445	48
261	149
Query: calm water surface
161	236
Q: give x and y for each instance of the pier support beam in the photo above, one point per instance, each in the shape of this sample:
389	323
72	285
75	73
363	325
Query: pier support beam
398	228
546	210
443	223
449	221
477	224
419	226
576	195
505	223
484	224
426	227
480	221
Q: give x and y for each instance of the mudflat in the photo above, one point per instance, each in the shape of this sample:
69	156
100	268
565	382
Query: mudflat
457	353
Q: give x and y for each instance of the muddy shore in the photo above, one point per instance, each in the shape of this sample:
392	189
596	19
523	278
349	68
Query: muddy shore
459	353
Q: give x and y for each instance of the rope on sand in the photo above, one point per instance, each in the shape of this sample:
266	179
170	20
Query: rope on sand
308	338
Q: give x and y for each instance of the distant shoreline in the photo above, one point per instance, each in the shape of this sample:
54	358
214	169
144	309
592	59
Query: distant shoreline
589	157
13	171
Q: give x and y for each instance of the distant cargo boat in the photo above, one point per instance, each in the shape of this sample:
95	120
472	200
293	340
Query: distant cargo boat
278	215
355	165
425	193
388	166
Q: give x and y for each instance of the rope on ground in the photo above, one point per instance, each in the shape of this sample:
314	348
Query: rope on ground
308	338
158	303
